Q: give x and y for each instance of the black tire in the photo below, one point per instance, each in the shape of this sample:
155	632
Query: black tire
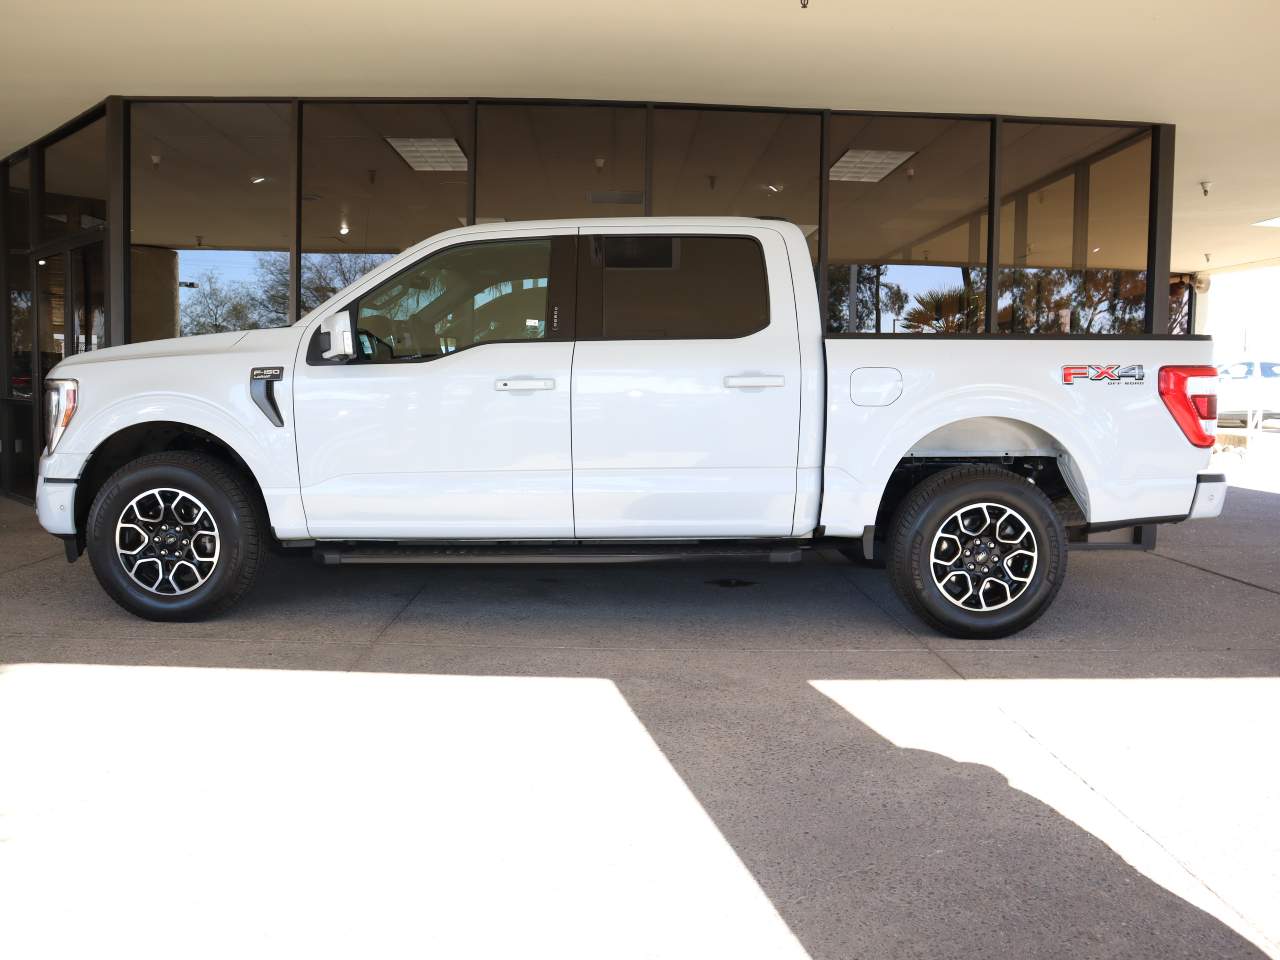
225	494
922	516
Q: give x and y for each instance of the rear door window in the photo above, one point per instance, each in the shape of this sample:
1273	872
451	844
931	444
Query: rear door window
663	287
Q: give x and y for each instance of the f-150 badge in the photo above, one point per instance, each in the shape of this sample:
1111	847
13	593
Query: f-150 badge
1105	372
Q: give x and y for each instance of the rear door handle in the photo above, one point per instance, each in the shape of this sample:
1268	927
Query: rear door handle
754	381
525	383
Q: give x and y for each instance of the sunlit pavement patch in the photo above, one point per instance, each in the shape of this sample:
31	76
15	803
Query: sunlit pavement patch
168	812
1178	776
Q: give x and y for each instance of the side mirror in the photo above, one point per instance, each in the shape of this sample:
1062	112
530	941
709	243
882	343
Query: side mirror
337	327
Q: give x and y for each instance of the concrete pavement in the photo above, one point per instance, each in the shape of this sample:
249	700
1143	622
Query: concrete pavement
865	823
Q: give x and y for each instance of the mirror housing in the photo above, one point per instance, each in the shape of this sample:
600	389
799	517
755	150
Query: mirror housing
337	326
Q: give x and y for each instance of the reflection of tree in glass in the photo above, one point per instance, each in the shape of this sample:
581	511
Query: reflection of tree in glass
324	274
1058	300
875	297
954	310
217	306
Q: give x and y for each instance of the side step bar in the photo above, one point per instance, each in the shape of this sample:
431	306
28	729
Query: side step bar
333	554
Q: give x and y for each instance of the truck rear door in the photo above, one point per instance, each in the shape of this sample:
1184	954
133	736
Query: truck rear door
686	383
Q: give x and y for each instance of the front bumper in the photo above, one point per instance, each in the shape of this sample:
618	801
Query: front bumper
1211	496
56	493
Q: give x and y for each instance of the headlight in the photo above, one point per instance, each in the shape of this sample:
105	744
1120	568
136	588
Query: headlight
59	408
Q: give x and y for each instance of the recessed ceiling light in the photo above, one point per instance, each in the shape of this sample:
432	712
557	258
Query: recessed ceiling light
1273	222
40	263
429	153
257	179
344	230
773	187
1095	249
868	166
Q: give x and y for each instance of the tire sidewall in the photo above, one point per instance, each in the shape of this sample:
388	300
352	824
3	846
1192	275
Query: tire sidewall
106	511
1050	564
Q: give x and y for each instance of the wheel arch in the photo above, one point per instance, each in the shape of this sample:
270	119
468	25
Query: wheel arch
156	436
1019	445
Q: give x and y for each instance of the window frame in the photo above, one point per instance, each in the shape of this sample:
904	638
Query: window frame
593	275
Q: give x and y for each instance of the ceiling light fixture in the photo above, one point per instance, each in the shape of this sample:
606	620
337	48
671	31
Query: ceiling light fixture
868	166
1095	250
40	263
1272	222
773	188
257	179
344	230
429	154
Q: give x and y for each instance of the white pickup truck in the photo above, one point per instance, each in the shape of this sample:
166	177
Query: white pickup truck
618	390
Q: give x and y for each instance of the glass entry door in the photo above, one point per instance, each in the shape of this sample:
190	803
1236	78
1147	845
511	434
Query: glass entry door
70	317
70	305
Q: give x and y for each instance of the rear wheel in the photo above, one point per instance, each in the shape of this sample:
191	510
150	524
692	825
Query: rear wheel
174	536
977	551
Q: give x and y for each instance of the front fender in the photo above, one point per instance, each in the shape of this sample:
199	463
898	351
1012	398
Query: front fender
268	451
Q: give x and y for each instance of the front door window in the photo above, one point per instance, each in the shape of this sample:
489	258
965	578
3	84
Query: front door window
489	292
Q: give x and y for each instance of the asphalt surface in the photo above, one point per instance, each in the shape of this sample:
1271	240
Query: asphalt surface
865	841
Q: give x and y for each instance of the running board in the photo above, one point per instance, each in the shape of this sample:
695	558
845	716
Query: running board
332	554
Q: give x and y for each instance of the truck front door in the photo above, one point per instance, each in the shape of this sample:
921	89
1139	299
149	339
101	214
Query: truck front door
686	384
453	419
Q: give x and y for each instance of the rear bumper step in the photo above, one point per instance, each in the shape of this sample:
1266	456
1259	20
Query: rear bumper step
332	554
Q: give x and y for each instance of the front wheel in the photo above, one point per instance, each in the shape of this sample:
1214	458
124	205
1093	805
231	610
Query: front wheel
174	536
977	551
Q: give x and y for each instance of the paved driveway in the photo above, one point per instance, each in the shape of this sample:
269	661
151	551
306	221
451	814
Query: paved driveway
670	761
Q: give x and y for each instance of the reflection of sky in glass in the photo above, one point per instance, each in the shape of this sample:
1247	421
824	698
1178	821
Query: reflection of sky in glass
917	279
231	266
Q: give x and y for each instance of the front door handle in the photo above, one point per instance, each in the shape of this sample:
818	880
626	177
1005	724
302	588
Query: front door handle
754	381
525	383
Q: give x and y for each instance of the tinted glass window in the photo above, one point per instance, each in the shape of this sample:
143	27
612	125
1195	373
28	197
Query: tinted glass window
376	179
681	288
907	250
719	163
75	184
210	187
1073	229
478	293
535	162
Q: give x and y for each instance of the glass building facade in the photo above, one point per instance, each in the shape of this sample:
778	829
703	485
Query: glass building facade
159	217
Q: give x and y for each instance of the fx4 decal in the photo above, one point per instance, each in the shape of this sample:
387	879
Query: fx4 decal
1106	372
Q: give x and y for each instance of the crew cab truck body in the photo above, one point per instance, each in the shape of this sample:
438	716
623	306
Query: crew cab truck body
617	389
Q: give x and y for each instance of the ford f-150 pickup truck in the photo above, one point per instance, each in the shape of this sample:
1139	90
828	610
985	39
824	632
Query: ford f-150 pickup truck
618	390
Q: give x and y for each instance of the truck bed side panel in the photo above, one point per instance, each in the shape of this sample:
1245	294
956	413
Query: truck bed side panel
1116	442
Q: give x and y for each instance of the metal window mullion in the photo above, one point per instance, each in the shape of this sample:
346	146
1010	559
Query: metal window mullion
35	203
1159	229
119	254
295	211
473	162
648	158
824	220
993	224
6	334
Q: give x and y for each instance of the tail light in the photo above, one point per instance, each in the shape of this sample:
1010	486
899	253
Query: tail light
1191	395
